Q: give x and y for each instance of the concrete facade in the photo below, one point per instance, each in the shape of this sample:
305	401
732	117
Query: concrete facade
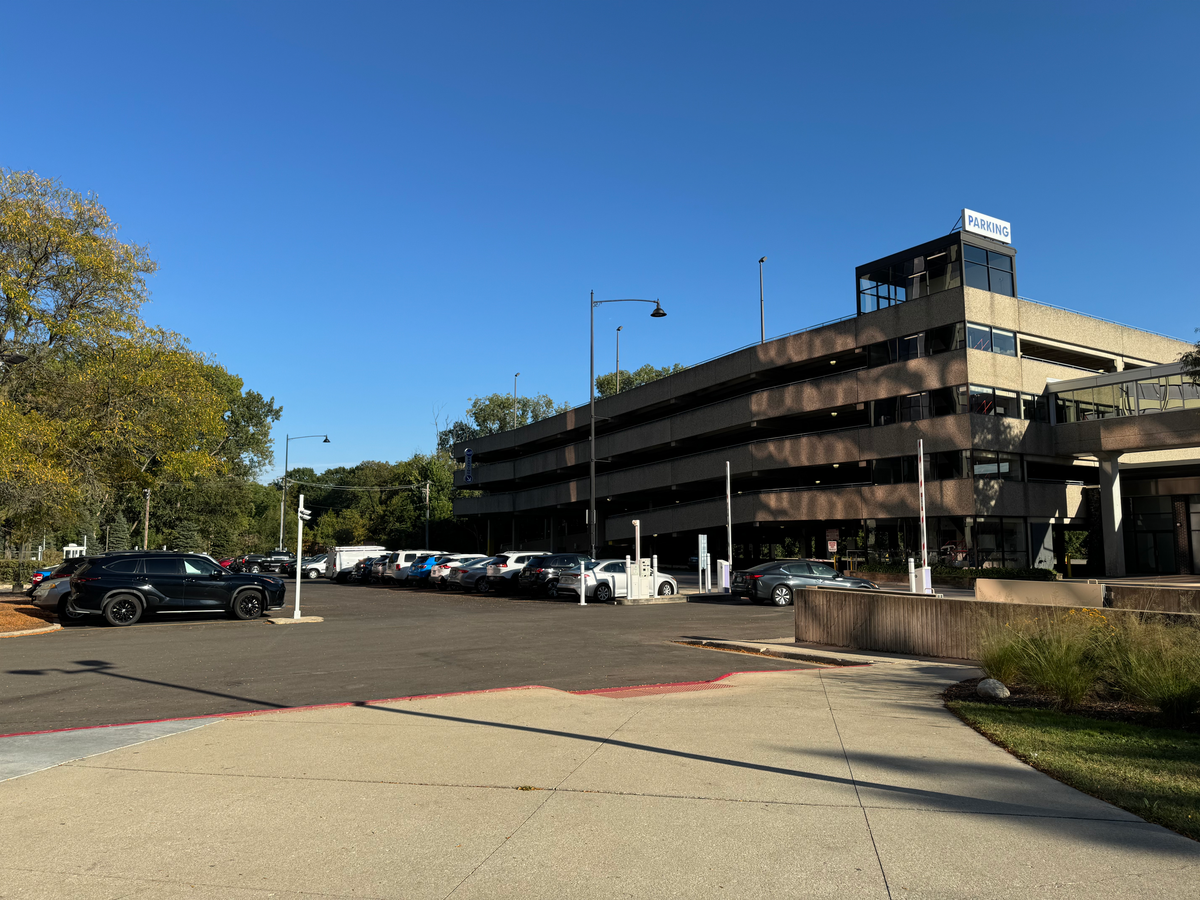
820	431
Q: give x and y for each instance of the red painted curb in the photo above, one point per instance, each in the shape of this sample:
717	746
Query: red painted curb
521	687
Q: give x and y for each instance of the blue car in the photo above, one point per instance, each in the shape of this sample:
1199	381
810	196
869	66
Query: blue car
36	579
418	572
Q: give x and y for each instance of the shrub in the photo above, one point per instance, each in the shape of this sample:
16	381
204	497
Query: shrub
1064	656
1000	656
11	570
1152	662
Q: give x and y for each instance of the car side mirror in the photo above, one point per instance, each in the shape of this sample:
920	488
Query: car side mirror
216	576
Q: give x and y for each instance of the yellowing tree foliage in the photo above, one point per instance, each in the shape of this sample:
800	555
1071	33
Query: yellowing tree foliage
93	402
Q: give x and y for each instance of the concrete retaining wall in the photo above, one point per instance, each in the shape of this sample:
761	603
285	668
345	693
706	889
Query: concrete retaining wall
1040	593
910	623
1160	599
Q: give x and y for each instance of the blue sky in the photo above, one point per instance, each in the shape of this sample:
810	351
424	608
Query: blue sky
374	210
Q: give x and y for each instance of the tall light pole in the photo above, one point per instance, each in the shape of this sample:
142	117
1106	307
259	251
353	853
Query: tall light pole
762	307
515	377
287	440
657	313
618	390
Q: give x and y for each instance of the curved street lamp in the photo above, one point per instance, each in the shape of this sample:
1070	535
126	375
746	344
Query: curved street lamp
287	440
657	313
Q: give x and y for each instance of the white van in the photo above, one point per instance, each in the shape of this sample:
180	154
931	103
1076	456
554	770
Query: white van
400	560
341	560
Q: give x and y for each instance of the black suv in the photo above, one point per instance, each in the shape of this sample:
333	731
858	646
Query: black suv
266	562
540	575
122	588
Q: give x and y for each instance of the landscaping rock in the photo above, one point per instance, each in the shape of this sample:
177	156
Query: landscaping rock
991	689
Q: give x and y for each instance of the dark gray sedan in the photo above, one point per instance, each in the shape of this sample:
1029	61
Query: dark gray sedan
776	582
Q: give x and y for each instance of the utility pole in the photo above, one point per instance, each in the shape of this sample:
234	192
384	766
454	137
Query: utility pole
515	377
762	308
427	515
146	523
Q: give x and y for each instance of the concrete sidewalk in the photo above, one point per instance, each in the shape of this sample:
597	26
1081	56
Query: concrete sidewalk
847	782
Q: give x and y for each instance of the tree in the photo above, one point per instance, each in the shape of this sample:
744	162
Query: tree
187	538
118	533
494	413
64	276
1191	362
606	385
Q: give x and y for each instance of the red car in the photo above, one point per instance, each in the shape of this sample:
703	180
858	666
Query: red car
225	563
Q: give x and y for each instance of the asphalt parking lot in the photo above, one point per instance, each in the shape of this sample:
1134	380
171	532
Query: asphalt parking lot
375	643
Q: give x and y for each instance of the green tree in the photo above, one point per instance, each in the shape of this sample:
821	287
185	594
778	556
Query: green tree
606	385
494	413
1191	362
118	533
187	538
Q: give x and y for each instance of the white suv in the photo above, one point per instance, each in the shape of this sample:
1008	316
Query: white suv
502	574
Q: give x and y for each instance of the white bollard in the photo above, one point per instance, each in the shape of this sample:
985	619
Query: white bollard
912	576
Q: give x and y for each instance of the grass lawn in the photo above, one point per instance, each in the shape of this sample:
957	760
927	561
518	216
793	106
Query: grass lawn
1152	772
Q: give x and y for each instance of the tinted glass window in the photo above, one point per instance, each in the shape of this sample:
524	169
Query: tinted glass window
162	567
983	401
979	337
945	337
1007	404
796	569
975	276
123	566
1002	282
1004	341
200	567
67	567
999	261
975	254
823	570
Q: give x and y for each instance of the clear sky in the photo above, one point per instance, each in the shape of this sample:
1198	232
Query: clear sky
372	211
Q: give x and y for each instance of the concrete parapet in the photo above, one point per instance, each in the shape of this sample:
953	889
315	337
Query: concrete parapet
913	623
1040	593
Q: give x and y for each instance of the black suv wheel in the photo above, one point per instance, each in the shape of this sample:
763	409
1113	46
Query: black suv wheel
247	605
123	609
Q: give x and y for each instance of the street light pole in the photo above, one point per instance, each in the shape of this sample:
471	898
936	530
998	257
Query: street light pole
762	307
618	390
515	377
657	313
287	442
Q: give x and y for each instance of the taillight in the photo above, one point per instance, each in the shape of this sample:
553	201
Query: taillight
501	565
539	570
754	576
399	567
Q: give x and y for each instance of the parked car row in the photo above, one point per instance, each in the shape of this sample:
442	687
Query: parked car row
514	571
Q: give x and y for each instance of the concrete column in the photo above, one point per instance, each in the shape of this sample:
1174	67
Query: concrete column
1110	516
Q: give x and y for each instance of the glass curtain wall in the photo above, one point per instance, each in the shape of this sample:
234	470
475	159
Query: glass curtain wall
1129	398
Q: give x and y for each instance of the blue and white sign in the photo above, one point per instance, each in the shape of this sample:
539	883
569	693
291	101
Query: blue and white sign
978	223
467	476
